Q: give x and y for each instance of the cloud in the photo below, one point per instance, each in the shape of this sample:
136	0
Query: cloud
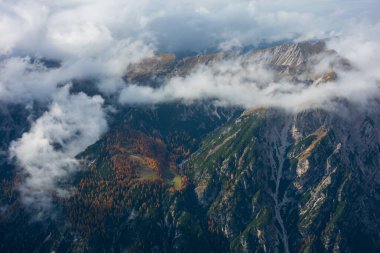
91	40
23	79
361	46
46	154
87	27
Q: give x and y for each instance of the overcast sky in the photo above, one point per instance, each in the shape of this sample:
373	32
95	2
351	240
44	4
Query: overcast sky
87	27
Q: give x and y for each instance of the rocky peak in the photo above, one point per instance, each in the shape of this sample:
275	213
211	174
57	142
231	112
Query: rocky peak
291	55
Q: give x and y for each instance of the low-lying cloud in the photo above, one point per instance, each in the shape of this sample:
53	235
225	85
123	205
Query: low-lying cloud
24	79
46	154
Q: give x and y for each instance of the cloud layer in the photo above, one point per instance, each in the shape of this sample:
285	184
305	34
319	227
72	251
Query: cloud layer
86	27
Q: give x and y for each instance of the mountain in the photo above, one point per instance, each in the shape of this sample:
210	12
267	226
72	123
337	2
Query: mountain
199	177
299	183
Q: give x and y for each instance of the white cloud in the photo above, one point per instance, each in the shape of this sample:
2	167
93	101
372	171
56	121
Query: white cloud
46	154
23	80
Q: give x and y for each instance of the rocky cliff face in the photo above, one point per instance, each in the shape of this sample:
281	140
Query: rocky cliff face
202	178
280	182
